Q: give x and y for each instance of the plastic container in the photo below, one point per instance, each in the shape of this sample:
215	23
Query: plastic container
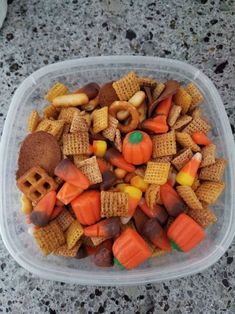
101	69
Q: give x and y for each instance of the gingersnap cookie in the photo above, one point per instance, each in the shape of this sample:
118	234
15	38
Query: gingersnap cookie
39	149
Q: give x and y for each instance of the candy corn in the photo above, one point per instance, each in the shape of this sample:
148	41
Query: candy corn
70	173
99	148
164	106
68	192
134	196
157	124
188	173
153	231
41	213
156	212
138	182
116	159
200	138
108	228
171	200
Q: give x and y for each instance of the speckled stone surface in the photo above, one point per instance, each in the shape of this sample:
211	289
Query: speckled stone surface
41	32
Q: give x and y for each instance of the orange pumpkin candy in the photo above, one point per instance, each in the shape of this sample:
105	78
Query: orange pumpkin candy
137	147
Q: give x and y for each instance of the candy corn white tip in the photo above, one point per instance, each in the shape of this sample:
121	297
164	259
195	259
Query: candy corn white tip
125	220
198	156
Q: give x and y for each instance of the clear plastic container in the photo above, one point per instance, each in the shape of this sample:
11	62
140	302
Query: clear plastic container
29	96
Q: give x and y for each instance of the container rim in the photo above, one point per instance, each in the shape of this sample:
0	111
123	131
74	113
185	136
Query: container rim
102	277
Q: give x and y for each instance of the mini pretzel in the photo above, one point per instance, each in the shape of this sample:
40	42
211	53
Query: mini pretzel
124	105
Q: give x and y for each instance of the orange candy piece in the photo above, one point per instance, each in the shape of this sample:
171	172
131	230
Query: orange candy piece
157	124
200	138
164	106
107	228
67	171
171	200
130	249
87	207
41	213
116	159
185	233
68	192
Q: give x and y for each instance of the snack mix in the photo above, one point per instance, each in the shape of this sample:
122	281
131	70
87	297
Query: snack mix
121	172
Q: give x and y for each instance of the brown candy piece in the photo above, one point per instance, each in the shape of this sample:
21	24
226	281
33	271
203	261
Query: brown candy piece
82	253
39	149
109	179
140	219
171	87
152	229
107	95
104	255
90	89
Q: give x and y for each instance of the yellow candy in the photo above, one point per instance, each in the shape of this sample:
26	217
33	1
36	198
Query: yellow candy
26	207
121	186
120	173
133	192
184	179
139	183
99	148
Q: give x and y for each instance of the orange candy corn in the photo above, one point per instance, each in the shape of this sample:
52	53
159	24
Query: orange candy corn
68	192
171	200
200	138
164	106
153	231
187	174
116	159
185	233
87	207
130	249
157	124
107	228
41	213
157	212
70	173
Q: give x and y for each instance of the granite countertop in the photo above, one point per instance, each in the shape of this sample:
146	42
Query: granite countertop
40	32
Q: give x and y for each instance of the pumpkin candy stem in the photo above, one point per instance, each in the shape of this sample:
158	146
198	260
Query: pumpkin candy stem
135	137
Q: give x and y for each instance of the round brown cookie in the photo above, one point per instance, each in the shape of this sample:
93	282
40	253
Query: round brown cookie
39	149
107	95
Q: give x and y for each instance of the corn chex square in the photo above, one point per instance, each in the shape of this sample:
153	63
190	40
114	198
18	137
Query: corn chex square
68	113
49	238
64	220
73	234
152	195
183	99
186	141
213	172
127	86
110	132
204	217
188	195
208	155
89	167
66	252
114	204
197	125
196	95
208	191
76	143
164	144
58	89
100	119
182	158
157	172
